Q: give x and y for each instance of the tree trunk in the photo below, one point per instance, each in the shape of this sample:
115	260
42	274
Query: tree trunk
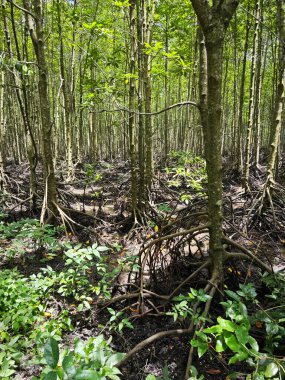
252	100
277	117
214	22
38	38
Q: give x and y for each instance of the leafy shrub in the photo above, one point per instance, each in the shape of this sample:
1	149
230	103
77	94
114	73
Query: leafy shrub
93	359
27	235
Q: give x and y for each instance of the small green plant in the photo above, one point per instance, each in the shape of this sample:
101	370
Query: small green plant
93	359
183	305
90	173
116	322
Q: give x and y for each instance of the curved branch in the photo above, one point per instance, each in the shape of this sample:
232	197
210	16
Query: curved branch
180	104
22	9
151	339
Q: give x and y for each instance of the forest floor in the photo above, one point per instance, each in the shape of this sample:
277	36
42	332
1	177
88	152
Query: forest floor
102	195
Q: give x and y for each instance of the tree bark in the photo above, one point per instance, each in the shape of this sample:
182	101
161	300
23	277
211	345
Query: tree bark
214	21
38	38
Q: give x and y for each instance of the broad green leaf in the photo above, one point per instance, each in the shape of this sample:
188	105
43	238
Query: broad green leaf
239	357
220	346
253	343
226	324
232	295
202	348
6	372
271	370
150	377
242	334
68	364
114	359
232	343
87	374
50	376
102	249
217	329
60	372
51	352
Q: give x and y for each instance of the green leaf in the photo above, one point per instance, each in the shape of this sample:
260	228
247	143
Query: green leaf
226	324
68	364
60	372
271	370
202	348
86	374
220	346
6	372
239	357
253	343
150	377
217	329
102	249
51	352
232	295
232	343
50	376
19	67
242	334
114	359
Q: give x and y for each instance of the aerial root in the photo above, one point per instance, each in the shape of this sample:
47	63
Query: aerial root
246	255
211	288
270	186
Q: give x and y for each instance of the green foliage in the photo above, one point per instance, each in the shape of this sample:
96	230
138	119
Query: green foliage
23	319
233	335
93	359
26	236
182	308
117	322
19	302
90	173
188	171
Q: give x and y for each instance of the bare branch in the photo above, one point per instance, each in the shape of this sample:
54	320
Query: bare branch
22	9
180	104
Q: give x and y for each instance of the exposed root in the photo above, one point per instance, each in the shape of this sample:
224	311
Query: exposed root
151	339
248	255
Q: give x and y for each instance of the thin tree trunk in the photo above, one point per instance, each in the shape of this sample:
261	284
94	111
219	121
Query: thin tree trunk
38	38
252	100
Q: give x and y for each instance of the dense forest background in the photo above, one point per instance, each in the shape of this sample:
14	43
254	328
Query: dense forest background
142	174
